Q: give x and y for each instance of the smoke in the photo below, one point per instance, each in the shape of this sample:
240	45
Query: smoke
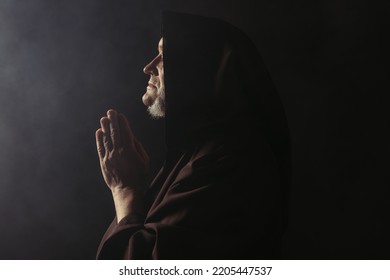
62	65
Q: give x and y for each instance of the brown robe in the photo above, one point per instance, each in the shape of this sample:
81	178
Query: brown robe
222	191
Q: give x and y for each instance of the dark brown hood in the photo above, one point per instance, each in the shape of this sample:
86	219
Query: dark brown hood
215	78
217	85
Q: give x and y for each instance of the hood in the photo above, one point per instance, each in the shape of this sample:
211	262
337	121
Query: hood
216	84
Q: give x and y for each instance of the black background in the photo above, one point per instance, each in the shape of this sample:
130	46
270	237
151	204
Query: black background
64	63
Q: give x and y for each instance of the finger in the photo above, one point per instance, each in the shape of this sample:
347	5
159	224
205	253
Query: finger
99	143
105	124
114	129
127	133
141	151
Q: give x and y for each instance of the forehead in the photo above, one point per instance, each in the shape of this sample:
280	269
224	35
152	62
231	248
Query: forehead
160	45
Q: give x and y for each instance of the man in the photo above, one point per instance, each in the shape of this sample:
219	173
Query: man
221	192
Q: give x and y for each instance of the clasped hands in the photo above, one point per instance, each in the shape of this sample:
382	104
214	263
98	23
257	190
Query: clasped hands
123	161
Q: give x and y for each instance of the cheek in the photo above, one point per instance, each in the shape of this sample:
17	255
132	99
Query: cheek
161	80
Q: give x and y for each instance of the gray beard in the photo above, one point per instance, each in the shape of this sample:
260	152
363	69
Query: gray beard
157	110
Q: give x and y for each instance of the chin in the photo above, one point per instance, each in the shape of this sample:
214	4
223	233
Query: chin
157	110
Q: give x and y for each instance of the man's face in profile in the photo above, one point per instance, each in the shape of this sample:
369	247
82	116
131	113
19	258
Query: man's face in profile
154	97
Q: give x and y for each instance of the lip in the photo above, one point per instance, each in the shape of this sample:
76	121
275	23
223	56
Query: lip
151	85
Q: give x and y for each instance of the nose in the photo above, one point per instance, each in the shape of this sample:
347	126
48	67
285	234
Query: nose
151	67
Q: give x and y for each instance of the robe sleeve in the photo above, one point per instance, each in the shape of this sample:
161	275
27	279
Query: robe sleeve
214	210
116	235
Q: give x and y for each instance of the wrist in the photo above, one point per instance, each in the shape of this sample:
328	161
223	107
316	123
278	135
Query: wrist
127	201
128	192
